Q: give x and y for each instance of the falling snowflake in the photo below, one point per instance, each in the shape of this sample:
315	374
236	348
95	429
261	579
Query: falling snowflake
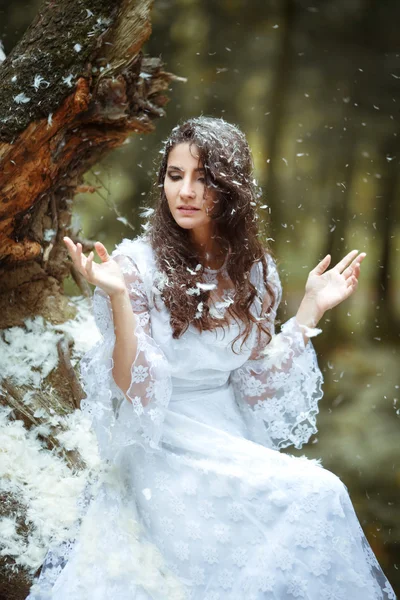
2	55
67	80
200	307
146	493
146	212
206	286
193	291
38	81
21	98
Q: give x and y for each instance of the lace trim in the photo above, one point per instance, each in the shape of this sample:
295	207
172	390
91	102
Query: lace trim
136	418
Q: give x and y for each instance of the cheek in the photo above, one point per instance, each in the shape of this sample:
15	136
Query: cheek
168	193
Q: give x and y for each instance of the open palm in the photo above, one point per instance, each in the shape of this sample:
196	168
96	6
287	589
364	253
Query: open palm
107	275
330	288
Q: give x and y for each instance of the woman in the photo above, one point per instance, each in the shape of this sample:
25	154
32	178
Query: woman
191	394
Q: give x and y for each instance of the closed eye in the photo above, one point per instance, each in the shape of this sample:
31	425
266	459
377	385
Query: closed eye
177	177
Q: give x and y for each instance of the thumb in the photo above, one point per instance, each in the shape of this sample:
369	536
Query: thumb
102	252
323	265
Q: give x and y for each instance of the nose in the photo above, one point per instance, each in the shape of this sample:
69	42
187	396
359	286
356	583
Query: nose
186	190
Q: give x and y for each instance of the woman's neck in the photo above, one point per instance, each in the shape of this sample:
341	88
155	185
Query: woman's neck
209	251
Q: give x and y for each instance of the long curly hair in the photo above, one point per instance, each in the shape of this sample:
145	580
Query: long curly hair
225	155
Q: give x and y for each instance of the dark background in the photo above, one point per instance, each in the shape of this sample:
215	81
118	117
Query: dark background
315	86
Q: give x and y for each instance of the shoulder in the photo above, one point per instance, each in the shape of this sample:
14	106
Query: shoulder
138	250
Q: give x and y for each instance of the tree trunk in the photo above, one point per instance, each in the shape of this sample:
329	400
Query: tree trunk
277	104
386	225
336	244
74	87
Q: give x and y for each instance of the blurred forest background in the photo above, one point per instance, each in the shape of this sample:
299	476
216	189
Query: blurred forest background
315	86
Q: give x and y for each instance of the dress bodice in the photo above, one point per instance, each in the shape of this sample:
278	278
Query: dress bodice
198	360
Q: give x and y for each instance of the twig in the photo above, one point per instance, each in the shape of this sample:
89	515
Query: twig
81	282
111	204
54	216
63	346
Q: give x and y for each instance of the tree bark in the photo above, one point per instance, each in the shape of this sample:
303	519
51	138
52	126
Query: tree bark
75	87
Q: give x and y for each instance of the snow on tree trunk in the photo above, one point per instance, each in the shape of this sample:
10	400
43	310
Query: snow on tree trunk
74	87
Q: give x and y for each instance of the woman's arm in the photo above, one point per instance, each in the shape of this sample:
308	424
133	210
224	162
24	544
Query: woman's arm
278	388
109	277
326	289
126	342
125	375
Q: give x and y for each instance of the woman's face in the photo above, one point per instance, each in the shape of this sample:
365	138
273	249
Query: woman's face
189	200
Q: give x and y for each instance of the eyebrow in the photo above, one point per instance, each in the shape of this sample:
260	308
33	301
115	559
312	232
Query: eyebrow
180	169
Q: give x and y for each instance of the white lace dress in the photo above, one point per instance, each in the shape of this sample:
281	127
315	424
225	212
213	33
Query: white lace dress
197	502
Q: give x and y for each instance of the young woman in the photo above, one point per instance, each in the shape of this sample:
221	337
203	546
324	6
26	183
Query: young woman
192	394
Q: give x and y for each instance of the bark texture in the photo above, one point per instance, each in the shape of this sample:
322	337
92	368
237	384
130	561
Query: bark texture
75	87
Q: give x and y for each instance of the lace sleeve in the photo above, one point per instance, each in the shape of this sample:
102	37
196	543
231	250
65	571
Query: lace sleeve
117	421
278	388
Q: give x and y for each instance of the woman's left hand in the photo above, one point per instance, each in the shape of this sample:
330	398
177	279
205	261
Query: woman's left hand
327	289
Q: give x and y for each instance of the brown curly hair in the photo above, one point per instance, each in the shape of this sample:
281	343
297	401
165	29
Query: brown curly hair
225	155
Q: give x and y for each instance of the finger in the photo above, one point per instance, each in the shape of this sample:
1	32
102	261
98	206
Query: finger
341	265
352	281
89	265
80	257
102	252
70	245
67	241
361	257
355	267
73	252
356	271
79	253
323	265
351	289
351	269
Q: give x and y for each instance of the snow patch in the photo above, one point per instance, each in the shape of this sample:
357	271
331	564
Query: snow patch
46	489
28	354
43	484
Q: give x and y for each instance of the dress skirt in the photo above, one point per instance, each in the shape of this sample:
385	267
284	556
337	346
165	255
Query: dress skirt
215	516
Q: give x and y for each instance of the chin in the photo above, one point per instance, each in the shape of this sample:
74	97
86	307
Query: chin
188	222
185	224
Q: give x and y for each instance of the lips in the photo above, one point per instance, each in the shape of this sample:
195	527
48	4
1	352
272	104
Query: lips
187	208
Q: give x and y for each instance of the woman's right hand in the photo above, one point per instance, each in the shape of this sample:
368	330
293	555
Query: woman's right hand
107	275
